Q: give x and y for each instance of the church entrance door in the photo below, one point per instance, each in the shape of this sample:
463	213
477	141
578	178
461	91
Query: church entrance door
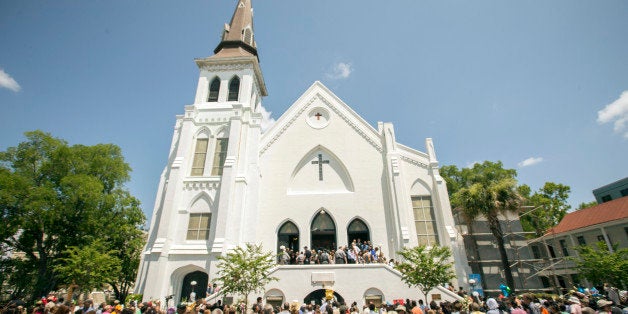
317	297
200	279
323	232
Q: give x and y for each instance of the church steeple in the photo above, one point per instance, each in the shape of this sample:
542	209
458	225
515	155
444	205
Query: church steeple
237	37
235	63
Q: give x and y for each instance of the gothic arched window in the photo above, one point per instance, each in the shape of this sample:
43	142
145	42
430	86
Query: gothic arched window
323	231
234	89
214	88
358	230
288	236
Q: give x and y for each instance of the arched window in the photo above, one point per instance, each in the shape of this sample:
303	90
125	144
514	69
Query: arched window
424	221
323	231
288	236
357	229
234	89
200	154
214	88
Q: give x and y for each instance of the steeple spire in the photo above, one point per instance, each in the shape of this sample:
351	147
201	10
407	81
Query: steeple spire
238	38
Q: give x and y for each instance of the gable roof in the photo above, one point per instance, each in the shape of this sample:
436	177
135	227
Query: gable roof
319	91
613	210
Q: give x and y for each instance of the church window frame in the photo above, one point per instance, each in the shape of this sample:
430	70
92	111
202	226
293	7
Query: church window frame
358	228
288	235
220	155
200	156
234	89
323	226
199	226
214	90
424	220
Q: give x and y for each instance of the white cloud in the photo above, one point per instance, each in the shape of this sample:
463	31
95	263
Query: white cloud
341	70
617	111
8	82
530	162
267	120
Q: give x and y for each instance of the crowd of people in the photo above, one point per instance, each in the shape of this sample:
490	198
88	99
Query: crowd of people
358	252
612	301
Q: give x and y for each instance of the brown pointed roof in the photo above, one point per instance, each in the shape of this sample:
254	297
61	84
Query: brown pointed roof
609	211
238	39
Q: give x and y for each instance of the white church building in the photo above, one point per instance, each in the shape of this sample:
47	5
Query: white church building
321	176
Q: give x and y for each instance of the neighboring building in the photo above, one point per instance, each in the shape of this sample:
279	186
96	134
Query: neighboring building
606	222
320	177
485	260
611	191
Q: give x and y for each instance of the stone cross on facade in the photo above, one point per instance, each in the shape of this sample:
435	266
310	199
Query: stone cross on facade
318	115
320	163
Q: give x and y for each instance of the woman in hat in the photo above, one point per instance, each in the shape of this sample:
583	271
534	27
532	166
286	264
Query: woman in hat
604	306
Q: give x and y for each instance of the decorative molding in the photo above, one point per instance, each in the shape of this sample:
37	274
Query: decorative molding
229	162
288	124
414	162
227	67
353	125
201	184
344	117
394	162
405	234
177	162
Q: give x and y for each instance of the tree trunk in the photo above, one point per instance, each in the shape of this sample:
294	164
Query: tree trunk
71	288
44	282
116	291
496	230
246	303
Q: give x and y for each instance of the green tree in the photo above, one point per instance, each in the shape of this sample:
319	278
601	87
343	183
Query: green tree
584	205
549	207
485	190
54	196
599	265
87	268
245	270
127	245
425	268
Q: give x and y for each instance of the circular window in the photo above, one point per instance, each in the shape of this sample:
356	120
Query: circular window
318	117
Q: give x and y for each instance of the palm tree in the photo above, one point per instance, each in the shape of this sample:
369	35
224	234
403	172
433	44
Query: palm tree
486	190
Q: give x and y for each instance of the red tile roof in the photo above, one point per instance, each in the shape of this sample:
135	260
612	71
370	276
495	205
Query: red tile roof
605	212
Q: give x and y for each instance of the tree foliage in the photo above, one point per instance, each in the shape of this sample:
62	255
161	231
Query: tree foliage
245	270
599	265
55	196
584	205
485	190
426	268
549	207
88	267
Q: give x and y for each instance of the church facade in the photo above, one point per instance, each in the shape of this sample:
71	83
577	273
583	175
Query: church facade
320	177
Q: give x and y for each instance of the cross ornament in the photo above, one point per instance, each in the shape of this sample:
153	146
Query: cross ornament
318	115
320	163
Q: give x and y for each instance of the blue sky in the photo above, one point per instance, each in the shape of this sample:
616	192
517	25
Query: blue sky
540	81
